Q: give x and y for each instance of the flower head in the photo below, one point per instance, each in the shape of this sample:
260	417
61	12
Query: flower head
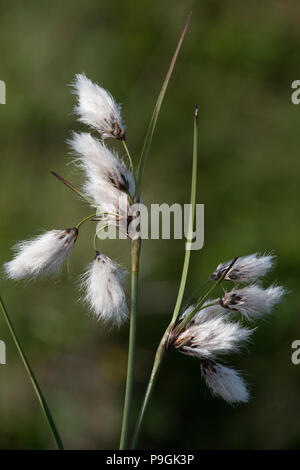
107	178
224	382
97	108
210	336
210	332
245	269
41	255
253	301
105	295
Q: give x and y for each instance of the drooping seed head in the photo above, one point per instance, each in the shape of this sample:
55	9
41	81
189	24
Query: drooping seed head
104	292
211	336
107	178
41	255
253	301
97	108
224	382
245	269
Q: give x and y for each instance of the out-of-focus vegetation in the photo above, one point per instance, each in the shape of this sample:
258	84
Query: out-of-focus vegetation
238	62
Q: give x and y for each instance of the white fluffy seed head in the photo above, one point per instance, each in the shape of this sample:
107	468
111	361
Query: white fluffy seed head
253	301
224	382
41	255
107	178
97	108
104	292
211	336
245	269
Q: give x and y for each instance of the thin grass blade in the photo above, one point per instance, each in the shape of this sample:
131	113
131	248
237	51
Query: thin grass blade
151	128
32	378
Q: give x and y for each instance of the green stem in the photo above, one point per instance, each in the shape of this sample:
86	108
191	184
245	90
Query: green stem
31	376
128	155
84	220
100	217
95	241
97	233
160	352
191	221
191	315
135	259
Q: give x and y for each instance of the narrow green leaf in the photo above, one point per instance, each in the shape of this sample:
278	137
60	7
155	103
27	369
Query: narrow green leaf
32	378
151	128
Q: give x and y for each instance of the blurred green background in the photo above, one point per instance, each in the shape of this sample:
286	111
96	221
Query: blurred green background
237	62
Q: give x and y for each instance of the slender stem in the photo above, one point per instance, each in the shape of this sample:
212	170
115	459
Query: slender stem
161	350
128	155
31	376
160	353
95	241
189	317
97	233
191	221
99	216
129	197
195	294
135	258
211	304
84	220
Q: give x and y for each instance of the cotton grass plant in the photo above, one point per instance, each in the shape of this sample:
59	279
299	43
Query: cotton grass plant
207	329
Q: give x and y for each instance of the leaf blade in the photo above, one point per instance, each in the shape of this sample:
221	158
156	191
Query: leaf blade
153	121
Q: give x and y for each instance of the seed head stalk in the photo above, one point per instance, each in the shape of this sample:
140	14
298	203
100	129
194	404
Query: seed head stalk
191	315
128	155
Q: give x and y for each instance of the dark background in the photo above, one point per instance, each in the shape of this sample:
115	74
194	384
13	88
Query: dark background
238	62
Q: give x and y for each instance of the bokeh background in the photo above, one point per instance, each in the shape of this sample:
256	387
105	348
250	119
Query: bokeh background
237	62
